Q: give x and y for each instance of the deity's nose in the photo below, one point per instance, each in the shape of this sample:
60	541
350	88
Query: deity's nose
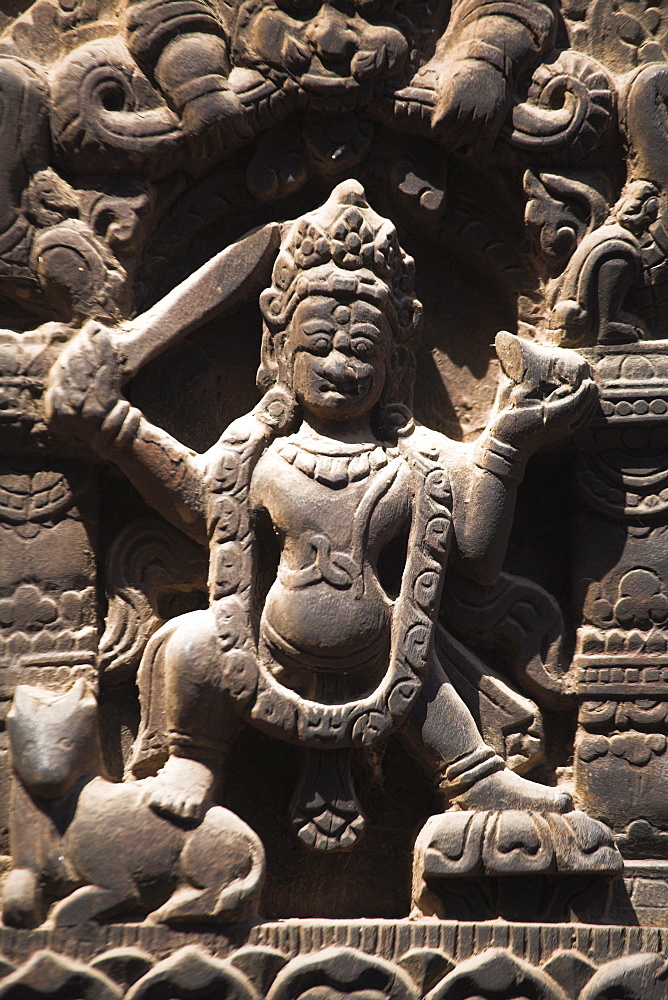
330	34
338	366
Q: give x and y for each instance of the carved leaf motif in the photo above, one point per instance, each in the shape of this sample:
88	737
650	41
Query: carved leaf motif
493	973
341	972
190	969
635	977
508	841
47	973
561	210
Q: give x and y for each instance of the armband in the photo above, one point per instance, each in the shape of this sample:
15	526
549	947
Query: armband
502	459
491	54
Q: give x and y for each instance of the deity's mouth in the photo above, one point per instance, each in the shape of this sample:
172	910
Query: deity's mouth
329	75
350	388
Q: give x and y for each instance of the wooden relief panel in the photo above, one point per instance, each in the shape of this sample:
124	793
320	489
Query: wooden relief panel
334	499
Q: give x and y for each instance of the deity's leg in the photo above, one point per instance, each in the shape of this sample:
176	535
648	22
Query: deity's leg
200	717
444	739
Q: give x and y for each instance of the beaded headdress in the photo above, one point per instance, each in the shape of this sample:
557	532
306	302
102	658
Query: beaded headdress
342	248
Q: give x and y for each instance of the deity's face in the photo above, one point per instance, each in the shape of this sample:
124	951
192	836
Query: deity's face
338	356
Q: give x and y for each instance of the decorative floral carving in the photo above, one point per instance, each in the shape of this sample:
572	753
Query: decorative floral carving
635	748
190	972
336	973
496	975
641	602
496	843
28	608
47	974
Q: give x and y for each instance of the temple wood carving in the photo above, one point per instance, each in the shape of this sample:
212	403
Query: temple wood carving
333	499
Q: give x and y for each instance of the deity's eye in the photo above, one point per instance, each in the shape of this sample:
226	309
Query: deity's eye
319	344
362	347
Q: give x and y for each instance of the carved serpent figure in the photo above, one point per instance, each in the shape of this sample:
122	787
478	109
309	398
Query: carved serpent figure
317	631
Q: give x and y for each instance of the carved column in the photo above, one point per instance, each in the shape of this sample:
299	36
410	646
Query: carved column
621	592
48	524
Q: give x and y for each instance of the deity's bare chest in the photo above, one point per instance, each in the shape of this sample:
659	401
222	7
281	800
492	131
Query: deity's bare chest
299	504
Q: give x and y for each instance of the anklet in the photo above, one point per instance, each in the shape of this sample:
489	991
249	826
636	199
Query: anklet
465	772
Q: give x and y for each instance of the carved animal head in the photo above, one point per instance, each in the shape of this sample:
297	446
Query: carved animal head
334	51
54	737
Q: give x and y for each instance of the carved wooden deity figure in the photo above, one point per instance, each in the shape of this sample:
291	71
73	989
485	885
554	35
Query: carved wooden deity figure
331	519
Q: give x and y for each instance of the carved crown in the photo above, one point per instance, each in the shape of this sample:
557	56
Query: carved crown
344	248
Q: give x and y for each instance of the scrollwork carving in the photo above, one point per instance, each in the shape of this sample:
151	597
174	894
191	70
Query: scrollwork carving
587	99
562	209
106	114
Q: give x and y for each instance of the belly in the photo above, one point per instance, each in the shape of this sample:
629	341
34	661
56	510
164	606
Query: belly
327	628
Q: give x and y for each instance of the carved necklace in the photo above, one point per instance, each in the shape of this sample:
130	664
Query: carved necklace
333	463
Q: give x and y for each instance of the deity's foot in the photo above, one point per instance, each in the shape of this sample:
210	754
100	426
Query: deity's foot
502	824
182	789
506	790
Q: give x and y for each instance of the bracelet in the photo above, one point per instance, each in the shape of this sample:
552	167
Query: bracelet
477	49
500	458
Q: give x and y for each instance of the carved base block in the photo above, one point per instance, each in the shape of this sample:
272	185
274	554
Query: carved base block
644	898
